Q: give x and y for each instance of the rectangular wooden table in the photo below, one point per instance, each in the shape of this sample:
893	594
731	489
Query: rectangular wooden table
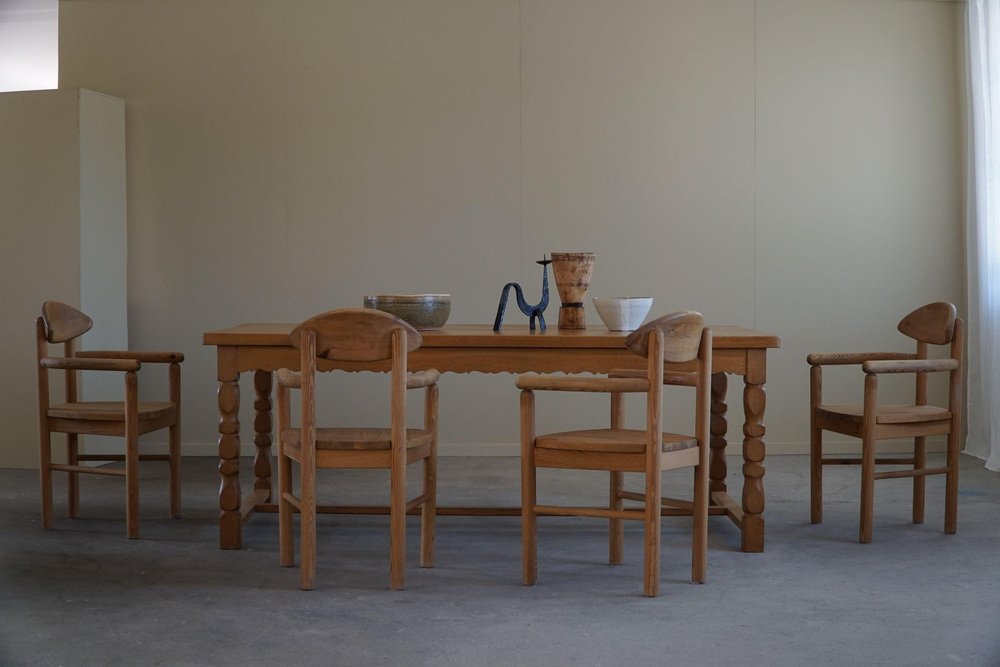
466	348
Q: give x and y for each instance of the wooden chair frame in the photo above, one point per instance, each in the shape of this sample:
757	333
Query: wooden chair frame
60	323
871	421
359	335
675	338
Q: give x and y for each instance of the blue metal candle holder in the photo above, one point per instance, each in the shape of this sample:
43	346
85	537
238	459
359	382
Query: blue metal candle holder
533	312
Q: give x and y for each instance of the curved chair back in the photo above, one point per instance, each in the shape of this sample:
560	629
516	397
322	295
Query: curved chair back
355	334
63	322
933	323
681	336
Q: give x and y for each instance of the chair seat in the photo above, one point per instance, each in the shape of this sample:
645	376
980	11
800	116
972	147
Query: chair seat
619	441
109	410
357	439
888	414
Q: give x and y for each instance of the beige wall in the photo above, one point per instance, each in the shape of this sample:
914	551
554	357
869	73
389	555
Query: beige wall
62	182
791	165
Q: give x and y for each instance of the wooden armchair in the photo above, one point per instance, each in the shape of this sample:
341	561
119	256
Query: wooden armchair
356	335
678	338
933	324
128	419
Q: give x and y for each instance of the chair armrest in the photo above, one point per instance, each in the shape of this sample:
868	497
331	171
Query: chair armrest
910	366
545	382
75	364
844	358
287	378
145	357
422	379
669	377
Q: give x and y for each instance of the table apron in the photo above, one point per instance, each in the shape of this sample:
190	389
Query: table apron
489	360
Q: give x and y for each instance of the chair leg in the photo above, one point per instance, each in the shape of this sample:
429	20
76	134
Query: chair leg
867	489
428	511
286	541
616	527
529	545
651	565
132	483
131	456
45	474
307	527
397	522
699	527
175	471
815	474
174	381
951	484
73	490
919	481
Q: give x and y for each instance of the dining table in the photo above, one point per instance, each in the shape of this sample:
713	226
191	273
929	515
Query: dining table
262	348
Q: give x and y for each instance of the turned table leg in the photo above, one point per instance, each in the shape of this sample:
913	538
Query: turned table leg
717	443
754	400
262	435
230	518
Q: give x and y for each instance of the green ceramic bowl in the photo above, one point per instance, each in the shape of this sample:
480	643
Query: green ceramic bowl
422	311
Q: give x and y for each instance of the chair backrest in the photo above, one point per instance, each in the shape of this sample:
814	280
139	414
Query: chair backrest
936	324
356	334
59	323
681	336
933	323
63	322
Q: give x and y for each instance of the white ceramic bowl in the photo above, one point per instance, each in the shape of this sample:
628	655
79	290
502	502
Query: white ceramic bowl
423	311
623	313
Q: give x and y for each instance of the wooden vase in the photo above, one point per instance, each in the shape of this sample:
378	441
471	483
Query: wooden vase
572	272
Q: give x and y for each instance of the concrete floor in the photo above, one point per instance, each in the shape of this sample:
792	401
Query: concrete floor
82	594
